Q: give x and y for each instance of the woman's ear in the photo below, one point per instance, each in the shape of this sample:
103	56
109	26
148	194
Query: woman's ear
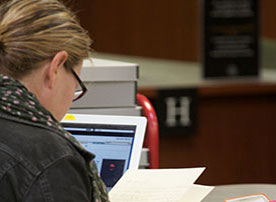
55	65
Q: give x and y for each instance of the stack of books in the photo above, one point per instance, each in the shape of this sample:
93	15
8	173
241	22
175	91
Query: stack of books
112	88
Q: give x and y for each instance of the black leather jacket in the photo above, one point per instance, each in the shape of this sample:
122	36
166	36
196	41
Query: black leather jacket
39	164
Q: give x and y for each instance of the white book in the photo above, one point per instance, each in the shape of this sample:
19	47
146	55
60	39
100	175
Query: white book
109	83
108	94
125	111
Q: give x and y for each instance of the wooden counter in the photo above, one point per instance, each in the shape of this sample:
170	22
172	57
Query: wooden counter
235	138
236	133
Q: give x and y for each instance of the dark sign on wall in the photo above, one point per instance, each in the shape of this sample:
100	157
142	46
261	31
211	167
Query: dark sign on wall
230	38
177	111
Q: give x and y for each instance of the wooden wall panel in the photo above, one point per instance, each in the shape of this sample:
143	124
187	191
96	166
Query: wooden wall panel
235	138
268	18
161	29
235	141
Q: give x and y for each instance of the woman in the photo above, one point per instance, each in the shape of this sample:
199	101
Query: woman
42	47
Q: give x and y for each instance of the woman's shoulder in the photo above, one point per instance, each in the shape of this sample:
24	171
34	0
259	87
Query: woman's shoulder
35	146
30	155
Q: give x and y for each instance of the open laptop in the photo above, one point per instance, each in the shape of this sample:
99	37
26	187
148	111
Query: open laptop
115	140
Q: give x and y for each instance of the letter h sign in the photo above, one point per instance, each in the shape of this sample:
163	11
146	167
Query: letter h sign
173	110
177	110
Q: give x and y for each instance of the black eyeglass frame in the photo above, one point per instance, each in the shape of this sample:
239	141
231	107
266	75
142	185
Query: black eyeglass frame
83	87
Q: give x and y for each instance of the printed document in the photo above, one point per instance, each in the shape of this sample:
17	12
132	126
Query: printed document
159	185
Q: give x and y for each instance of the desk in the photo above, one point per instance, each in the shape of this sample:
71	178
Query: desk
220	193
235	138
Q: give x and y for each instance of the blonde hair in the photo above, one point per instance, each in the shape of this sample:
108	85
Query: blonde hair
33	31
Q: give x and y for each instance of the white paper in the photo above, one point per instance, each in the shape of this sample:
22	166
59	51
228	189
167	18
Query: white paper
196	193
162	185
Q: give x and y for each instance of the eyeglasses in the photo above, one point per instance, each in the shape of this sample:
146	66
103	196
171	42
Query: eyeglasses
81	89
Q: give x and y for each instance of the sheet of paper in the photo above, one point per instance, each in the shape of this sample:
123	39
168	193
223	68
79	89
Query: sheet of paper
162	185
196	193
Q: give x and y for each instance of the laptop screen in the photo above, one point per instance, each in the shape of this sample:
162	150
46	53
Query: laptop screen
112	144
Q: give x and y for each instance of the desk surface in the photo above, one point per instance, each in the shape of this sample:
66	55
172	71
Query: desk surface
162	73
220	193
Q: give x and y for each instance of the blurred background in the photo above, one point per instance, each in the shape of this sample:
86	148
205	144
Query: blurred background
167	29
235	129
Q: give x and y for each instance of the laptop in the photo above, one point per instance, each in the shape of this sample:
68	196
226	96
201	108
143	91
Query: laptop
115	140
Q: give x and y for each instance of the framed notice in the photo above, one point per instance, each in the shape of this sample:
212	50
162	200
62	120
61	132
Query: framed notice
230	38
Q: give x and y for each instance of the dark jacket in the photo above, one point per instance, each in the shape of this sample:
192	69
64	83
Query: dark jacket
39	164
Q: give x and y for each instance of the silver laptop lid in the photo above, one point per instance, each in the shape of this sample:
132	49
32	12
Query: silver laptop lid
115	140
